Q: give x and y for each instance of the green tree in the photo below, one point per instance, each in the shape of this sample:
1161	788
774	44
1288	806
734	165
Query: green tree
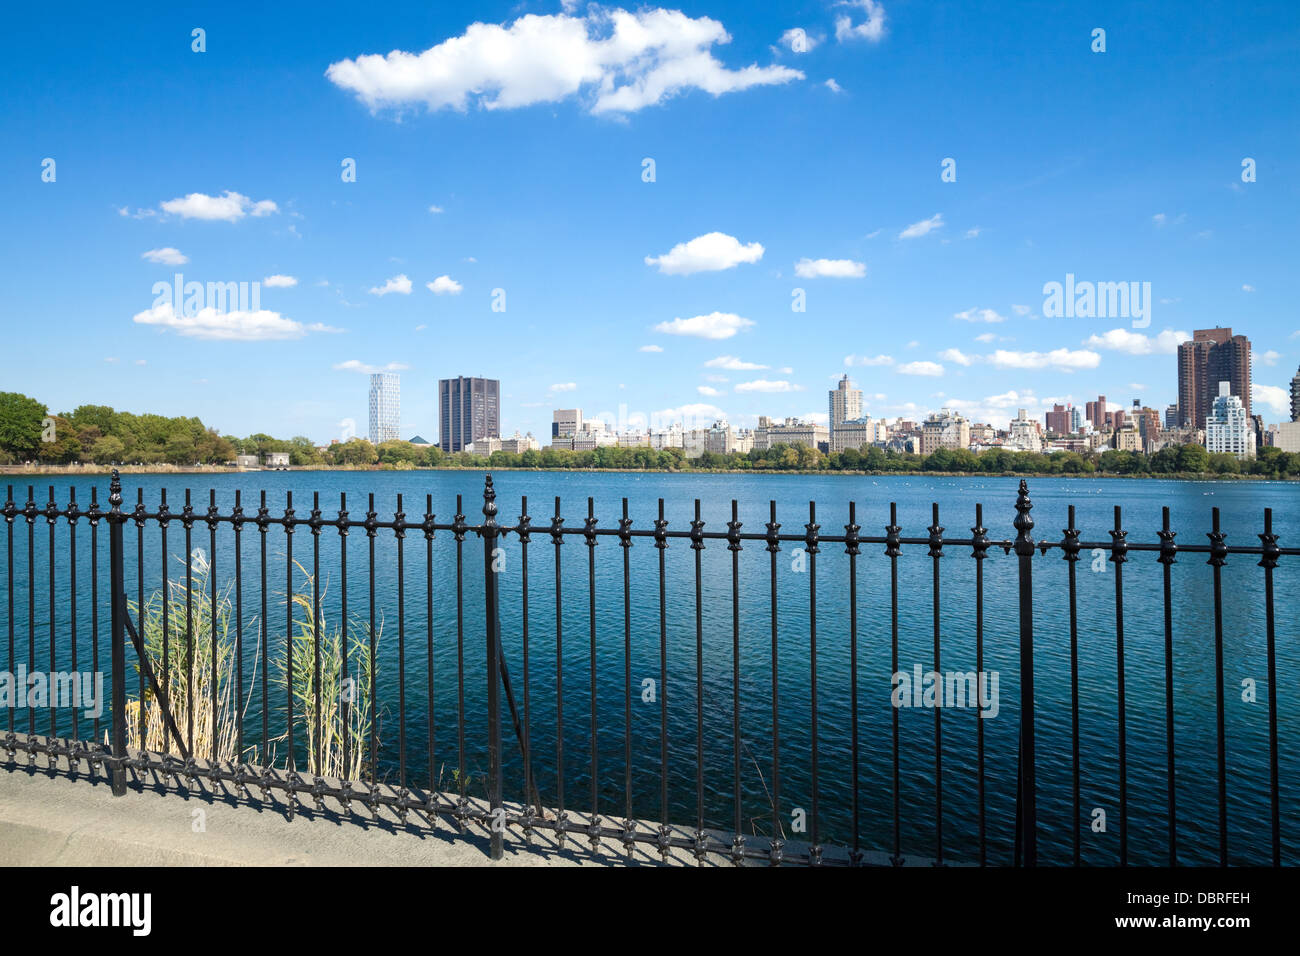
21	420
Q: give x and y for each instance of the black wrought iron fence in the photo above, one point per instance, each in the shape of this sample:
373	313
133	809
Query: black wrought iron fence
336	694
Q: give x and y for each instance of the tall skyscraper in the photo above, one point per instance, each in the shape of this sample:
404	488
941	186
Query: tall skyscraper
1210	357
468	409
845	404
1295	397
385	407
1096	412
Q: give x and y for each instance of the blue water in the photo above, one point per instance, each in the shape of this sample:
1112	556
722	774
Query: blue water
1241	504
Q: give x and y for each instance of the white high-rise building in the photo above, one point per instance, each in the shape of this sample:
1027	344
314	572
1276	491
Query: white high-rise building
385	407
1228	427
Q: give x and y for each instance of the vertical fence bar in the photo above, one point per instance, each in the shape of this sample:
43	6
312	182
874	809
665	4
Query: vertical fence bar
1167	551
852	550
399	531
661	545
30	514
95	515
625	541
493	641
291	763
10	510
773	548
139	604
166	622
348	694
936	552
428	631
531	797
1218	556
187	519
117	579
372	755
51	518
979	551
697	544
1070	553
263	516
238	524
1268	562
1119	555
72	574
893	548
459	535
733	545
1026	796
317	743
212	610
810	545
557	539
590	534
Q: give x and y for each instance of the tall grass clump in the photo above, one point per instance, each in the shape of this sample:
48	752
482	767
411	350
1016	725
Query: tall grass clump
345	709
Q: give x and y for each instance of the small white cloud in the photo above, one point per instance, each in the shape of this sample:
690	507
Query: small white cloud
763	385
973	232
1021	310
708	390
921	368
651	348
711	252
278	281
918	229
444	285
872	29
398	283
1270	357
564	387
166	256
986	337
852	360
797	40
1247	288
1159	219
833	86
732	363
715	325
353	365
228	207
979	315
435	209
830	268
957	357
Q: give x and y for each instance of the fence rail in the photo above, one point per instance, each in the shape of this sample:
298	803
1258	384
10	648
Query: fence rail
330	687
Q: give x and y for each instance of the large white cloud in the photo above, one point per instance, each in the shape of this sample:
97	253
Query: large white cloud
239	326
1062	360
715	325
1135	343
711	252
620	61
1277	399
228	207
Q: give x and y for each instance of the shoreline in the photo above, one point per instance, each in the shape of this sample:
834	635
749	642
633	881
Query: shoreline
98	470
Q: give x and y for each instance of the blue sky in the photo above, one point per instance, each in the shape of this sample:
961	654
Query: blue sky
526	125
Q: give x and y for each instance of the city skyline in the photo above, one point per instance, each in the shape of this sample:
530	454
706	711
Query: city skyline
613	238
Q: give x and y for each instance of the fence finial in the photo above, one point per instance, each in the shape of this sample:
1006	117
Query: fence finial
489	500
1023	523
115	491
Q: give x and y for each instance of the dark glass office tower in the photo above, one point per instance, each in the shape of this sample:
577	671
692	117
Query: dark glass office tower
468	409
